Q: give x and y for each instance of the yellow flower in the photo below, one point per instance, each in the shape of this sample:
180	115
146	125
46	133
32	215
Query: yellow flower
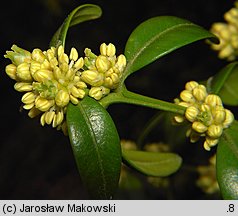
227	32
98	92
205	112
105	69
51	79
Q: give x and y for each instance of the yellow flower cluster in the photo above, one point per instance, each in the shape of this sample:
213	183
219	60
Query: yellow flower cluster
103	72
51	79
227	32
207	180
205	112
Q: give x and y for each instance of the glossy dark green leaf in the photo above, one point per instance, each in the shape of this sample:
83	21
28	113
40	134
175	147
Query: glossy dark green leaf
96	147
78	15
227	162
153	163
225	82
157	37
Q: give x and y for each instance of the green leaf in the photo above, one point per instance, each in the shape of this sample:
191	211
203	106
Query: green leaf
78	15
153	163
96	147
227	162
157	37
225	82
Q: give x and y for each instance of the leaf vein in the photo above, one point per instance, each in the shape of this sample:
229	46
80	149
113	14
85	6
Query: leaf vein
140	51
91	131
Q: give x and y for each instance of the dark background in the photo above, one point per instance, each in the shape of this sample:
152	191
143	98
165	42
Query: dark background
37	162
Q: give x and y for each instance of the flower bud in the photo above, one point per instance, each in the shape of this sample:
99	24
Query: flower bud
18	55
57	73
78	93
191	113
53	62
28	98
121	63
187	96
42	119
50	54
214	131
96	93
58	118
73	54
63	59
46	65
103	49
211	142
184	104
199	127
43	75
93	78
23	72
102	63
60	50
231	16
23	87
76	79
108	82
225	33
219	115
70	74
226	52
90	55
43	104
64	67
109	72
35	66
29	106
199	92
82	93
38	55
191	85
205	108
49	116
81	85
11	71
62	98
33	112
179	119
105	91
229	118
213	100
111	50
115	78
234	41
74	100
206	146
79	63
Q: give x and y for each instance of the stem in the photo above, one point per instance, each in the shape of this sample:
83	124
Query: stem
149	127
125	96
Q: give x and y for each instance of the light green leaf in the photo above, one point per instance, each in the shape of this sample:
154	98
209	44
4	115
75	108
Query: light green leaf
78	15
96	147
153	163
157	37
227	162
